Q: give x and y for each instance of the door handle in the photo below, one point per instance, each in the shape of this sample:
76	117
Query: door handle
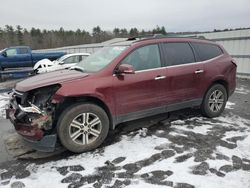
160	77
199	71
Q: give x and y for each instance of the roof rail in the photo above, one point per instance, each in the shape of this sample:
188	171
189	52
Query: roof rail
158	36
146	37
197	36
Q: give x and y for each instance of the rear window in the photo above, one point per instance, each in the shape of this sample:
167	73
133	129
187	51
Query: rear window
207	51
178	53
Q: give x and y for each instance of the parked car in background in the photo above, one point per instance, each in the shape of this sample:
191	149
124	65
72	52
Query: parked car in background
63	62
121	82
22	56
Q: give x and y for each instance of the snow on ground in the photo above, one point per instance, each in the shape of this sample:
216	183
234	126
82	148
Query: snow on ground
195	152
242	90
229	105
4	99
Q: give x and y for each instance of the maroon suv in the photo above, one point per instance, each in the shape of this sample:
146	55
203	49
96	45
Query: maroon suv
125	81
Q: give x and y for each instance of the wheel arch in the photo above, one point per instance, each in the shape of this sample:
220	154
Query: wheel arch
68	101
219	81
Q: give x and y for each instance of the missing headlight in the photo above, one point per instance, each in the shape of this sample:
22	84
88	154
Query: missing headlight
38	110
41	97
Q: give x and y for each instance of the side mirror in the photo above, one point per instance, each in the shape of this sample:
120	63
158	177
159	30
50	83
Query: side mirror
4	54
125	69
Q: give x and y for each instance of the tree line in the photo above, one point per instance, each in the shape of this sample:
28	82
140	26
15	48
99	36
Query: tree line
42	39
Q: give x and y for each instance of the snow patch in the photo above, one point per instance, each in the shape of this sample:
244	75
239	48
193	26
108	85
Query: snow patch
229	105
180	125
4	100
242	90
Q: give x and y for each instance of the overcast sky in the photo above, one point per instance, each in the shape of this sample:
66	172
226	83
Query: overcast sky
175	15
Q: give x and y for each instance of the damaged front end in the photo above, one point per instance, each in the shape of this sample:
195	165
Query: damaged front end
33	116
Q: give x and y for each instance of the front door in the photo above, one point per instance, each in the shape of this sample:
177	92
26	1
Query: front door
140	94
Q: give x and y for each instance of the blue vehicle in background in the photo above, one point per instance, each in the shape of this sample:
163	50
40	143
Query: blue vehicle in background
22	56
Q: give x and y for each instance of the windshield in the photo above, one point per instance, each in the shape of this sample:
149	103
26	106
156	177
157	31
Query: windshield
60	59
100	58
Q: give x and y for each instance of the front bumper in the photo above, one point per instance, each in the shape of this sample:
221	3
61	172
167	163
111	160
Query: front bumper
33	136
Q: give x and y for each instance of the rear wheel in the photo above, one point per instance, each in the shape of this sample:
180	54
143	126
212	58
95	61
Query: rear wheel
83	127
214	101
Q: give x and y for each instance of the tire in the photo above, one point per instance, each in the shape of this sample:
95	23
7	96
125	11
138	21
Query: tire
78	136
214	101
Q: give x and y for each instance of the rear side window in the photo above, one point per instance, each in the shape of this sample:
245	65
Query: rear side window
72	59
23	51
178	53
207	51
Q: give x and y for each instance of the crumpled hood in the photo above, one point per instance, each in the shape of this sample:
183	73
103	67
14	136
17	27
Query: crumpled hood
47	79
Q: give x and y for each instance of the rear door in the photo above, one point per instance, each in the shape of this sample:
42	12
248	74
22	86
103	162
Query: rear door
140	94
184	74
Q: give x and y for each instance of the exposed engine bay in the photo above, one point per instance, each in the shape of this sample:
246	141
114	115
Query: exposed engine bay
33	108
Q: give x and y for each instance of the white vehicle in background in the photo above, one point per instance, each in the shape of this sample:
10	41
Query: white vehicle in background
64	62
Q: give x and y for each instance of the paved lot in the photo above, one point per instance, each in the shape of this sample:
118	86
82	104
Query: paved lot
184	150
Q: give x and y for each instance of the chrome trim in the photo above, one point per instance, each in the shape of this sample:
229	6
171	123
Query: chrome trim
195	63
187	64
160	77
150	69
199	71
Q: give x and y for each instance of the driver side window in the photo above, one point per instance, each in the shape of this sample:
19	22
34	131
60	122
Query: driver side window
146	57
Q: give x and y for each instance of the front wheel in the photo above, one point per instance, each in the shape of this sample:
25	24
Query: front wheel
214	101
83	127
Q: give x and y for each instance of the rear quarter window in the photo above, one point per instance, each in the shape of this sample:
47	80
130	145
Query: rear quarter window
207	51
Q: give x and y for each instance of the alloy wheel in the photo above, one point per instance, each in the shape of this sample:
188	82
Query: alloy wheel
216	101
85	128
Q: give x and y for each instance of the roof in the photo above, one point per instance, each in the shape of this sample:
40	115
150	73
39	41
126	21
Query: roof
158	38
19	47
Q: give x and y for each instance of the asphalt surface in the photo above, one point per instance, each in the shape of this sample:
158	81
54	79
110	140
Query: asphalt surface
6	130
15	163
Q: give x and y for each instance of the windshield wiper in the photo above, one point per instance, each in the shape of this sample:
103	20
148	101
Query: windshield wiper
77	68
